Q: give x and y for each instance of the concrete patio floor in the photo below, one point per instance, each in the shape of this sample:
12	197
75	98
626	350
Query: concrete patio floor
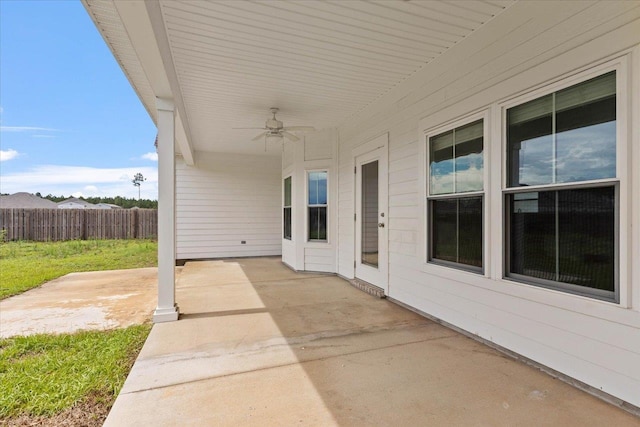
258	344
93	300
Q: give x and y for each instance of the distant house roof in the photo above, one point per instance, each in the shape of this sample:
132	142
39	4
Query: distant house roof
26	201
108	206
74	201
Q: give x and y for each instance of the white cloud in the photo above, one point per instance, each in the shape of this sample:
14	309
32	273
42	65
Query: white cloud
153	156
90	181
468	175
8	154
78	194
466	180
26	129
54	174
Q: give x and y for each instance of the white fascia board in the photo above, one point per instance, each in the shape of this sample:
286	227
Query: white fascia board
136	21
183	132
145	29
94	18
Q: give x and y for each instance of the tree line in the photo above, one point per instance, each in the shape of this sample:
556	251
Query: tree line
124	202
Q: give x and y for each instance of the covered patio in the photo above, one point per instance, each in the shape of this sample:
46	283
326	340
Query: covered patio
475	161
259	344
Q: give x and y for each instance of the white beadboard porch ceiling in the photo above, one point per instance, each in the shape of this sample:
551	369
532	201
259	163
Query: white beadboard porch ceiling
320	62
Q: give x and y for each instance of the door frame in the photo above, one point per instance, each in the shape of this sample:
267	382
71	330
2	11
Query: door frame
375	149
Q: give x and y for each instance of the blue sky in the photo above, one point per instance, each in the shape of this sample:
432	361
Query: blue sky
70	123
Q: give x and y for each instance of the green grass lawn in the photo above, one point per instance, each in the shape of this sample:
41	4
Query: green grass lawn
68	379
44	375
25	265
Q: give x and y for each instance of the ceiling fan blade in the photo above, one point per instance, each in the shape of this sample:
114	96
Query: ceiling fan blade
260	136
290	136
250	128
299	128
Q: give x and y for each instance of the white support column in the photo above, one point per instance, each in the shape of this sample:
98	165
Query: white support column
167	309
300	208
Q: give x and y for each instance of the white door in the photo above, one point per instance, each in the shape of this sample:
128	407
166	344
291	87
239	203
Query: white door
371	220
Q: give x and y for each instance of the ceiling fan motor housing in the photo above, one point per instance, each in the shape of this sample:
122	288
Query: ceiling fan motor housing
274	128
273	124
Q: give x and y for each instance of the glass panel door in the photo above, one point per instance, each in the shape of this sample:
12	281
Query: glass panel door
371	236
369	223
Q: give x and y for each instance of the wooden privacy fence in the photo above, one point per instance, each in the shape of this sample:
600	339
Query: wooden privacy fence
78	224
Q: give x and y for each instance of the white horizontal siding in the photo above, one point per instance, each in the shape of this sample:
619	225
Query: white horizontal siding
230	253
288	253
319	259
594	342
226	199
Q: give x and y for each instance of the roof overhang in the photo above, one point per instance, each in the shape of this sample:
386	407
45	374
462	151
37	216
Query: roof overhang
225	63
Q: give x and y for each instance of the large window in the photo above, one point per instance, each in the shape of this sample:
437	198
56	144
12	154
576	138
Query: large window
317	186
455	200
562	189
286	207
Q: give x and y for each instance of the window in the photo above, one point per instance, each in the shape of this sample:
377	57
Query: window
562	189
317	185
456	197
286	226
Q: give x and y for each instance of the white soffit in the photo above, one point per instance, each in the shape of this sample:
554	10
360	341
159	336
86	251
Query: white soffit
106	18
320	62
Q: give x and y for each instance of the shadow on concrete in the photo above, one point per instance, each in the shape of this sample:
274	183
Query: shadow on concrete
185	316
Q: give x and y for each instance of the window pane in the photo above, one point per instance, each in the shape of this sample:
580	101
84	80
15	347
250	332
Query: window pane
317	223
369	226
317	188
470	231
565	236
313	188
322	223
586	130
530	142
287	223
313	223
567	136
322	188
587	237
444	230
441	163
590	91
287	191
533	234
456	161
468	157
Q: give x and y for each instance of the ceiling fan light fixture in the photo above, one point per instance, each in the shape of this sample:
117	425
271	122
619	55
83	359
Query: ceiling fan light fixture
274	137
274	130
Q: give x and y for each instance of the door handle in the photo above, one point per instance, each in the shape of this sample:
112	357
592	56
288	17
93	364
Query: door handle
381	225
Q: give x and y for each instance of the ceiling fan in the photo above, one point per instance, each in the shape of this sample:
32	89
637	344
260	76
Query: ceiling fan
273	128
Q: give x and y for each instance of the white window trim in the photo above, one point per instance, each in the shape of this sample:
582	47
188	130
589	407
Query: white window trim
306	206
437	268
626	64
621	67
633	87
